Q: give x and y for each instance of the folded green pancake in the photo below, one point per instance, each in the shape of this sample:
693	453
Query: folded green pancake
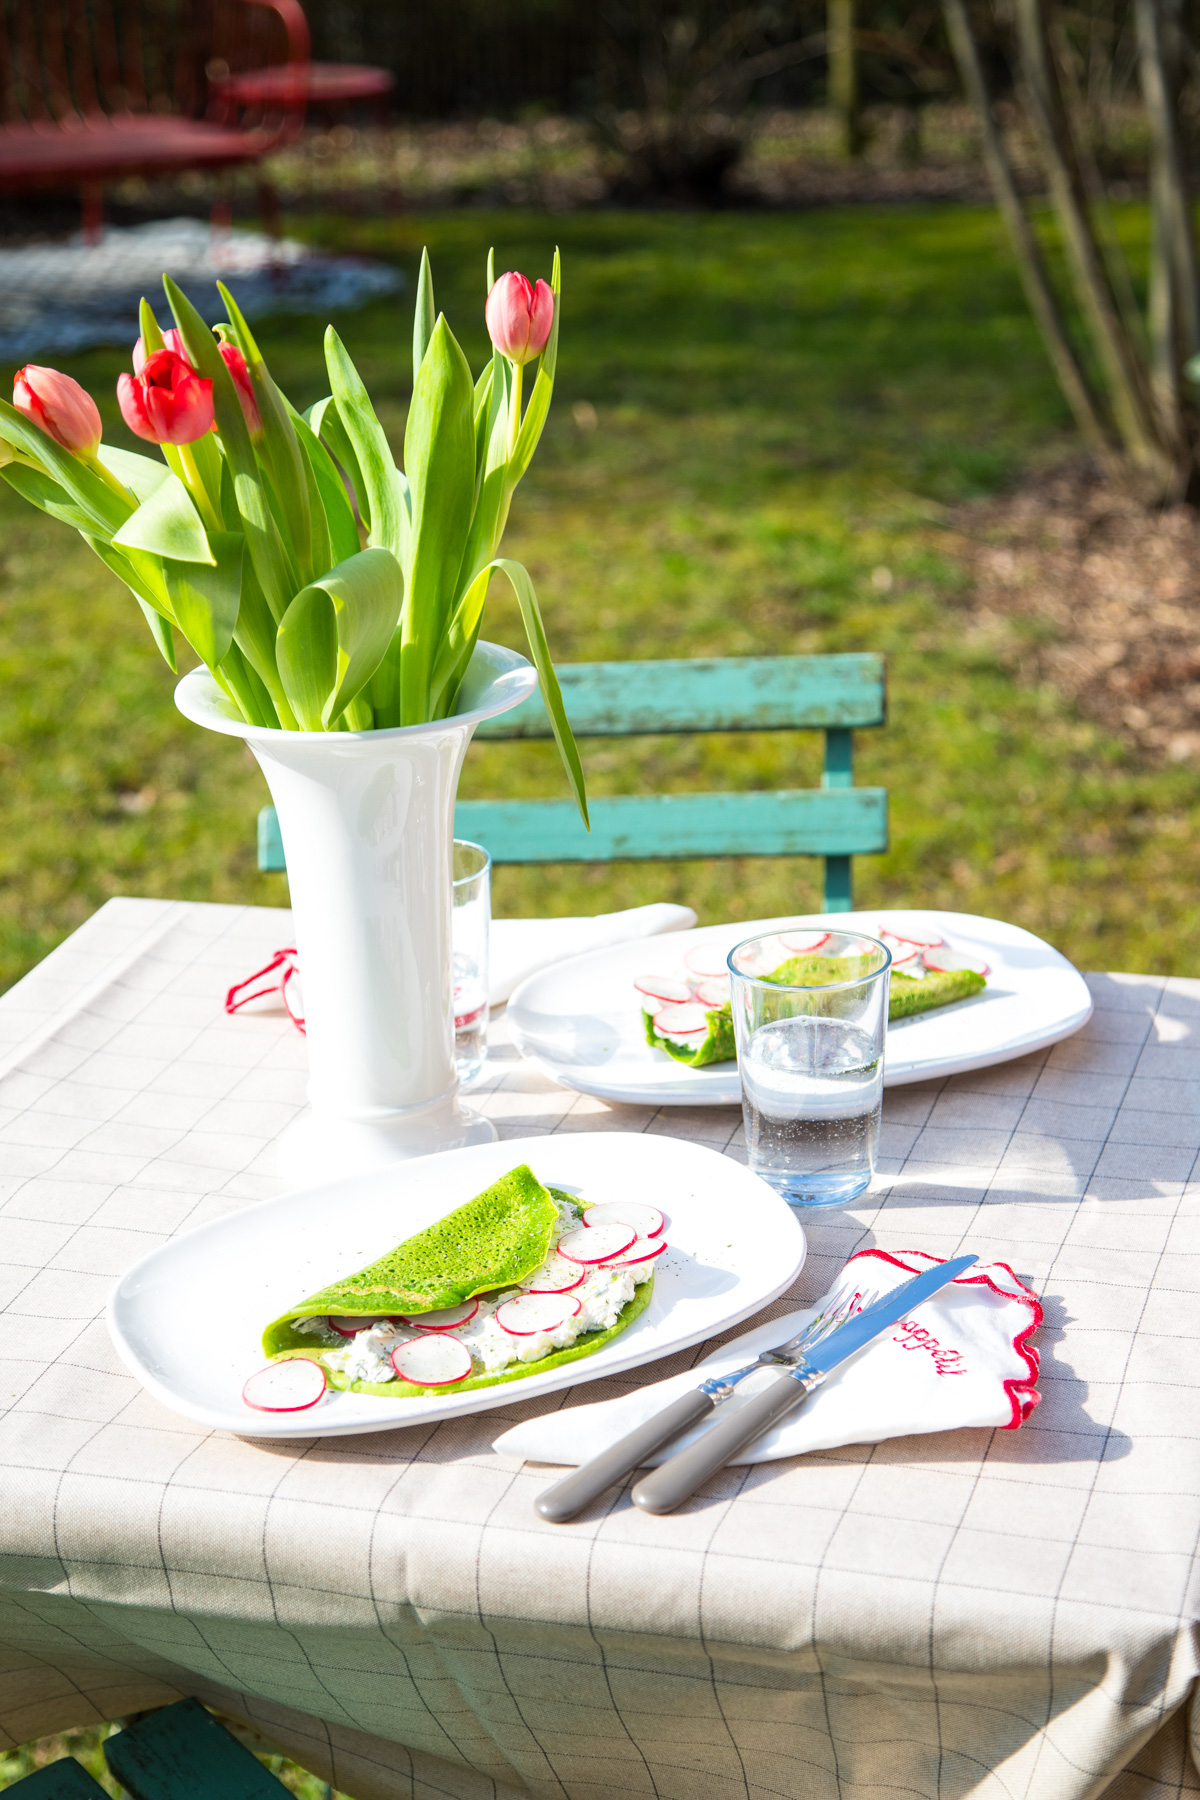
494	1241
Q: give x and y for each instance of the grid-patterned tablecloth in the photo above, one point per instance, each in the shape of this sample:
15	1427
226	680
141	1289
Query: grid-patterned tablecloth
999	1614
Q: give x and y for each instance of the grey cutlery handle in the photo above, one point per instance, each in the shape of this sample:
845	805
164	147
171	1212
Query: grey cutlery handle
570	1495
667	1487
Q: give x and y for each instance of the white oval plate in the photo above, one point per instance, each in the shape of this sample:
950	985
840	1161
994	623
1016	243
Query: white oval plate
192	1335
579	1021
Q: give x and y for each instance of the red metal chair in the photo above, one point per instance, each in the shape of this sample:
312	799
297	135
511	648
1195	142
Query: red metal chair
87	96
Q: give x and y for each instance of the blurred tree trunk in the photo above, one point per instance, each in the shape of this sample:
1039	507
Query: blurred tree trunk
844	95
1136	407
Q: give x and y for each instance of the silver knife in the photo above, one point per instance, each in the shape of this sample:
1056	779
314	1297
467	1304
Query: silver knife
585	1484
668	1486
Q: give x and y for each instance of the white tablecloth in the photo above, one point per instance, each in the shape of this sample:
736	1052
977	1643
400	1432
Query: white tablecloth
1000	1614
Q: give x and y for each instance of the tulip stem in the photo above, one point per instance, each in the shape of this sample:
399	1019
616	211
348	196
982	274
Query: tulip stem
192	479
107	476
514	408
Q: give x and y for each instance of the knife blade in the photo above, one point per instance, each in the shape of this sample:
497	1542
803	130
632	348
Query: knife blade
668	1486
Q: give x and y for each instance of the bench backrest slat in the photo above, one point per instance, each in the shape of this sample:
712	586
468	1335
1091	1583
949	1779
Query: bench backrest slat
753	693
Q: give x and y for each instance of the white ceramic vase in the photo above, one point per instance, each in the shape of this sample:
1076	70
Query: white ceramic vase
367	821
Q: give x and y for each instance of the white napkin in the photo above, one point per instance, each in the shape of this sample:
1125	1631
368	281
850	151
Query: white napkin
963	1358
520	947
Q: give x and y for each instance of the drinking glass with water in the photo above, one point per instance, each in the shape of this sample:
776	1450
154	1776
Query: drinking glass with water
810	1031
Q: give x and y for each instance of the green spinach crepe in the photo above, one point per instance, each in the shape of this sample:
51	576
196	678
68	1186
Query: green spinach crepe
908	995
490	1246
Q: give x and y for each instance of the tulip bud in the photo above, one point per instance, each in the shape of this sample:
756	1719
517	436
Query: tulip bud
519	317
235	362
166	401
64	411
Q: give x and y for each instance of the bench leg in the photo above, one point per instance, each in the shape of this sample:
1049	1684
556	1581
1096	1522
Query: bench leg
839	893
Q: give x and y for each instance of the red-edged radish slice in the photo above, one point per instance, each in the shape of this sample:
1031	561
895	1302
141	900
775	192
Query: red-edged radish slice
714	991
944	961
446	1318
557	1276
705	960
595	1243
432	1360
349	1325
803	943
683	1022
530	1313
290	1386
664	988
920	938
647	1221
640	1251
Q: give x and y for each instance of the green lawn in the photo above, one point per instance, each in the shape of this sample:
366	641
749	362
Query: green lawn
783	405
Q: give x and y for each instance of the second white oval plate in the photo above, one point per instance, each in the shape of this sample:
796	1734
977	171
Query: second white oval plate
579	1021
188	1319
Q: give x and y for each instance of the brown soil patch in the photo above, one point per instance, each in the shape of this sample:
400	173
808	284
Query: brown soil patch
1087	591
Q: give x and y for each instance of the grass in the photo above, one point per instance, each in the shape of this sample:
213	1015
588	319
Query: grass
760	421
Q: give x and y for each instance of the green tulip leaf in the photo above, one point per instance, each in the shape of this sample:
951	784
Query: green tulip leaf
142	574
279	447
424	315
142	475
47	495
376	465
439	461
162	634
326	421
543	389
168	525
335	633
205	600
339	514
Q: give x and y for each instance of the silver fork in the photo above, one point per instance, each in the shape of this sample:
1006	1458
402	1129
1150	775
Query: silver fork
577	1490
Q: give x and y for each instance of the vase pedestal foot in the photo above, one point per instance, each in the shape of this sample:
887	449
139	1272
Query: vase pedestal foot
322	1147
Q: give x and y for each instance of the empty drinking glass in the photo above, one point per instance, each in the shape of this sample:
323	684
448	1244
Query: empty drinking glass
471	924
810	1014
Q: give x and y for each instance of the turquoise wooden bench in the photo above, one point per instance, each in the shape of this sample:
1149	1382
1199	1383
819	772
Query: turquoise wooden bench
177	1753
834	694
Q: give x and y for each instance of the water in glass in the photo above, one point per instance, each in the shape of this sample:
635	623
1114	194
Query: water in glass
812	1090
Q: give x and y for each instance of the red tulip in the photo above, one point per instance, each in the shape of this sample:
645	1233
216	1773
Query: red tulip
172	340
519	317
65	411
166	402
235	362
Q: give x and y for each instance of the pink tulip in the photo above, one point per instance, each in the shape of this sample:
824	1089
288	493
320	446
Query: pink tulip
172	340
166	402
65	411
519	317
235	362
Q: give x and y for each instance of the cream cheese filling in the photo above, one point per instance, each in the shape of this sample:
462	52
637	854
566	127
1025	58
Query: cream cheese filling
601	1295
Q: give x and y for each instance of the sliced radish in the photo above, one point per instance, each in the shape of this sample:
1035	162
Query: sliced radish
640	1251
557	1276
446	1318
664	988
802	943
919	938
647	1221
944	961
432	1360
531	1313
684	1022
596	1243
348	1326
714	991
290	1386
705	960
